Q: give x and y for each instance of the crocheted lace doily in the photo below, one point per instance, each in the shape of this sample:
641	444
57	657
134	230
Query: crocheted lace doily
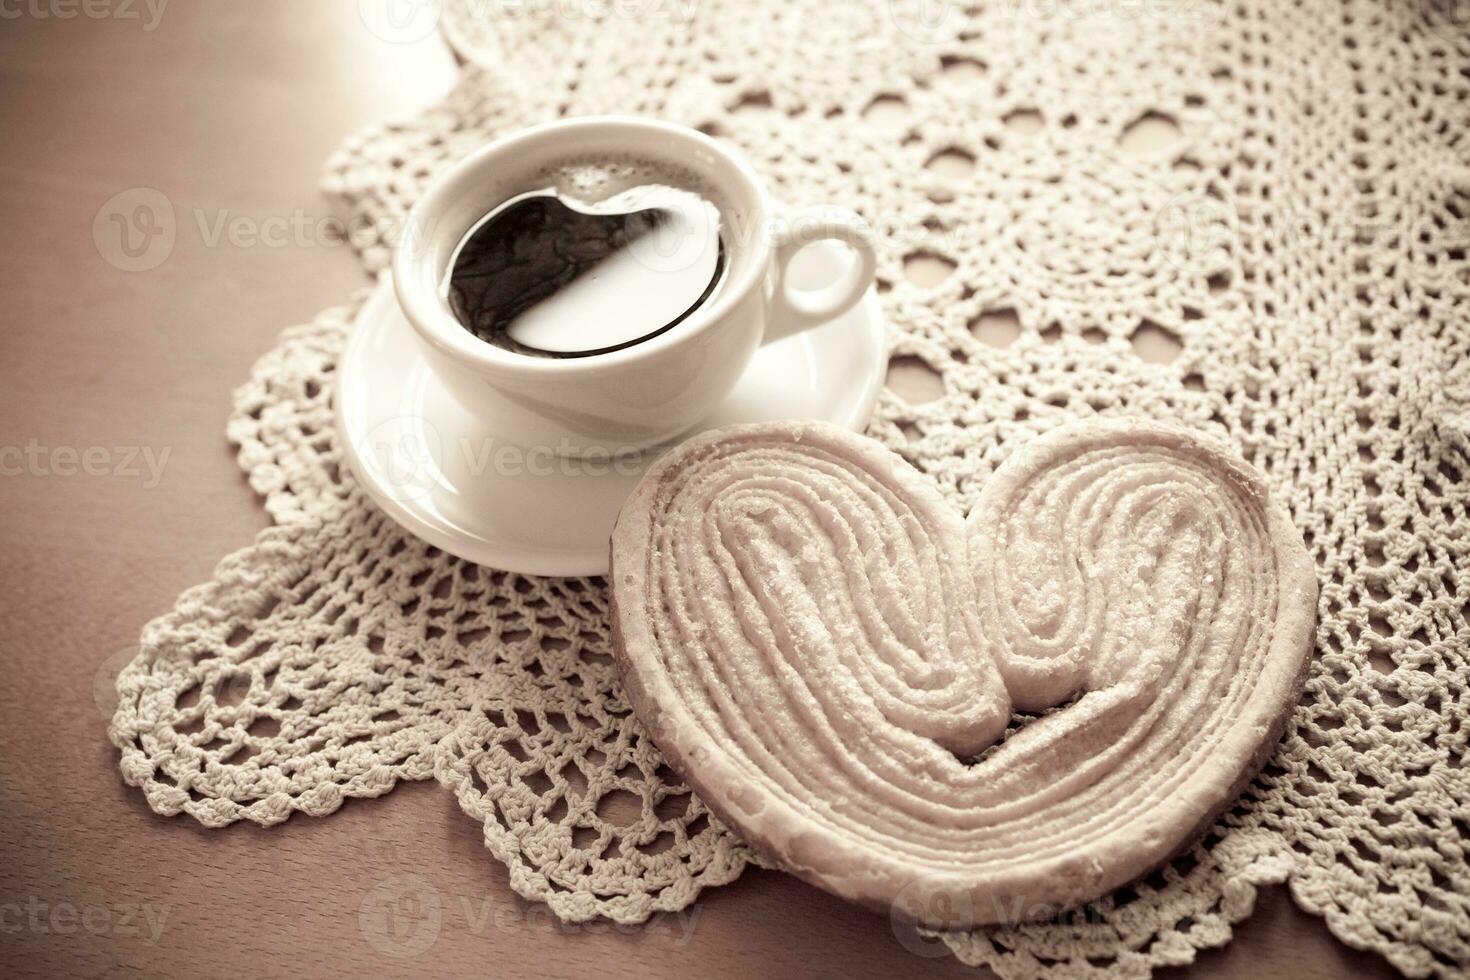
1274	193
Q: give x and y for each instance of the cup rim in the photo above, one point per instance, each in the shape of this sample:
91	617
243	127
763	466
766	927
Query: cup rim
435	323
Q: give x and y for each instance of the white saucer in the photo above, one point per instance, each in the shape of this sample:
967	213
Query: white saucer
437	470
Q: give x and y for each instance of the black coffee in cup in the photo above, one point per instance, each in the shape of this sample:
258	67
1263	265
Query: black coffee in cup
598	257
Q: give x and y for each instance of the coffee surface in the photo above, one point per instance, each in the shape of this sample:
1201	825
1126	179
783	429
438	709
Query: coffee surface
551	274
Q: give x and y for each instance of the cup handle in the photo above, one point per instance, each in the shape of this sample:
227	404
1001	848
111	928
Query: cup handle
790	310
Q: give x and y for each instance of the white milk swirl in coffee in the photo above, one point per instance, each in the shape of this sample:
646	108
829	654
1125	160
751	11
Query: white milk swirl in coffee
597	256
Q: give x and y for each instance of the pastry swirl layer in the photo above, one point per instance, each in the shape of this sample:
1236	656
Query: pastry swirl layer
965	721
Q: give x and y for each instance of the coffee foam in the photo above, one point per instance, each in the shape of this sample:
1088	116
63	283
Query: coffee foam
595	179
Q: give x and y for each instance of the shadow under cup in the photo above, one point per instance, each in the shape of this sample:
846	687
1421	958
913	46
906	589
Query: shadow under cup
623	400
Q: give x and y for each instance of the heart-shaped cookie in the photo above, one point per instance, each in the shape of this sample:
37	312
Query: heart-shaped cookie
843	668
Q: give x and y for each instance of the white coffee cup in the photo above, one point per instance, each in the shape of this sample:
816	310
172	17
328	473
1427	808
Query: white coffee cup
647	393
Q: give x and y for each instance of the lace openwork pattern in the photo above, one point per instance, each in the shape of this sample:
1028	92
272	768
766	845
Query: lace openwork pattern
1270	200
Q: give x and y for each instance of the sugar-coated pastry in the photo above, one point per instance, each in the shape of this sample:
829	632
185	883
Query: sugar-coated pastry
964	721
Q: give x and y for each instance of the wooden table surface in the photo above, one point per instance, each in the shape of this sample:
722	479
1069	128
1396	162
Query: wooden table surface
228	109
